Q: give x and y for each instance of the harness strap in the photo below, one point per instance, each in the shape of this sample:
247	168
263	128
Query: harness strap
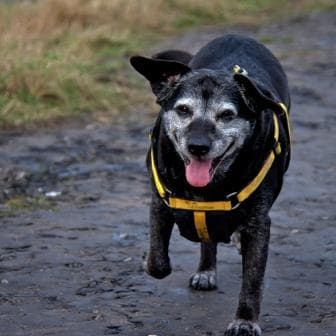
288	126
255	183
159	186
201	226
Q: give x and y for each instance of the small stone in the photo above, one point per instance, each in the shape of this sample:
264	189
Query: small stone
120	236
123	236
294	231
20	175
127	259
4	282
53	194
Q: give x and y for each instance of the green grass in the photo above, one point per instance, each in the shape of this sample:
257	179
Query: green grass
21	203
62	60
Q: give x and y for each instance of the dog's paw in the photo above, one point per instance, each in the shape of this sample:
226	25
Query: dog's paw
157	268
205	280
243	328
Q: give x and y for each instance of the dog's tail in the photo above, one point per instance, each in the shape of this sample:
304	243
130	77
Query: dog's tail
174	55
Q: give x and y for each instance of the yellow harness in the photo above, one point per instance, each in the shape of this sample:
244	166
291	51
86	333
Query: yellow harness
232	200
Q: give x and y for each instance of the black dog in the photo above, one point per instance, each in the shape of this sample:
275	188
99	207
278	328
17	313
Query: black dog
220	148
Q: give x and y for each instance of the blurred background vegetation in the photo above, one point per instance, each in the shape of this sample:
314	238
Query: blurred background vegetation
65	59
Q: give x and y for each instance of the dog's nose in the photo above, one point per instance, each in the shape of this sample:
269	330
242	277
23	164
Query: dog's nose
198	149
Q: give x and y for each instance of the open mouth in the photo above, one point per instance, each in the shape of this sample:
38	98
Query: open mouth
199	173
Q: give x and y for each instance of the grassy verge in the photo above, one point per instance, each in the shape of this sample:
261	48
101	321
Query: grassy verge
25	203
63	59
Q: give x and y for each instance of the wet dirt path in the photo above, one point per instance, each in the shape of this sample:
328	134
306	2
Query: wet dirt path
74	267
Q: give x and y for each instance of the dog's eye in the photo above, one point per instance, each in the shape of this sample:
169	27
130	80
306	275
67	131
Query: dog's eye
183	110
226	114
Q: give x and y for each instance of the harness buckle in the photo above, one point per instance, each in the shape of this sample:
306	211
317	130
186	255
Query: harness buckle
276	147
166	197
234	200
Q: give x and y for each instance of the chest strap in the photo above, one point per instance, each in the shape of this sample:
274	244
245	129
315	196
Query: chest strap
231	201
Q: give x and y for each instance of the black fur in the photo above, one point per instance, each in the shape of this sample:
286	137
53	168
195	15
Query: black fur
257	94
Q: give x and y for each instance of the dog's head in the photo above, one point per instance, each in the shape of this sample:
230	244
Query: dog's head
207	114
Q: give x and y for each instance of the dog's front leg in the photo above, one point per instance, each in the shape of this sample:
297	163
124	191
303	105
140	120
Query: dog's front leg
205	277
157	263
254	248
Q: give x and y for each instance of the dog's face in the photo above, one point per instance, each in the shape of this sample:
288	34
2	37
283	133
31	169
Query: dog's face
204	113
202	119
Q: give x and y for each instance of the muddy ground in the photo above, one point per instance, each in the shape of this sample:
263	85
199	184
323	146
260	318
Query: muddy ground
72	263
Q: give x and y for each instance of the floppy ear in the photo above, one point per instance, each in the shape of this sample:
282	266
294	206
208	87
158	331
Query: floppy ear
159	72
256	96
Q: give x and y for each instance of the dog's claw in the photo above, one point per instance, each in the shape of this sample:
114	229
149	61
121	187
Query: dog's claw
243	328
205	280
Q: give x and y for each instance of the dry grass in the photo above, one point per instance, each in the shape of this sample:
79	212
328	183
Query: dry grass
62	58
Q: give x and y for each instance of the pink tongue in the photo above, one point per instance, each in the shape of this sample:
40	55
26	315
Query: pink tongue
198	173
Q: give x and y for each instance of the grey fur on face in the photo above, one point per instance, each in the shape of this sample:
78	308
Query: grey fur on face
212	102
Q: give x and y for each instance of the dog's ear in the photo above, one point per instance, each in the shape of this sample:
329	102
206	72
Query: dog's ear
256	96
174	55
159	72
